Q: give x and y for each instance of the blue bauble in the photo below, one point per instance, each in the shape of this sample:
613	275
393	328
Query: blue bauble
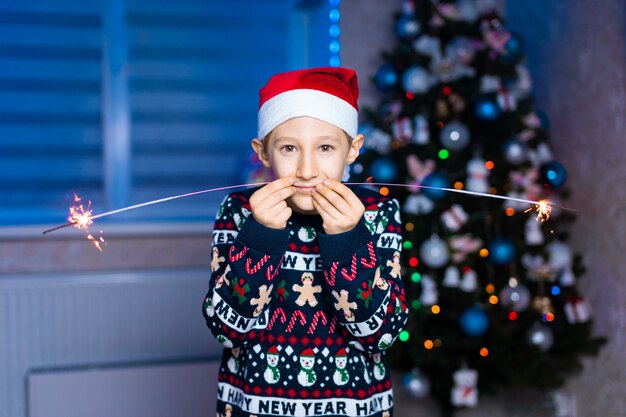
501	251
384	170
416	384
407	27
487	108
461	49
544	119
474	321
553	174
514	50
386	77
435	179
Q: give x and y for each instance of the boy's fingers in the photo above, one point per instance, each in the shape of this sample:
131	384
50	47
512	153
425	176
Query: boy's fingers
272	193
280	195
333	198
274	186
344	192
324	205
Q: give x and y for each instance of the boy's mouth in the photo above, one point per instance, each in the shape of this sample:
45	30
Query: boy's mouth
304	188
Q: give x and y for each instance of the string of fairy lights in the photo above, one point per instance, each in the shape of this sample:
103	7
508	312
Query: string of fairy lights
334	31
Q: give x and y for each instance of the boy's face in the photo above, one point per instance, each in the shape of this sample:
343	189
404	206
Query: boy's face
309	150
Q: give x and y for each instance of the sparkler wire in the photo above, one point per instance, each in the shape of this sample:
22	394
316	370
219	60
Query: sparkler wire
454	190
162	200
149	203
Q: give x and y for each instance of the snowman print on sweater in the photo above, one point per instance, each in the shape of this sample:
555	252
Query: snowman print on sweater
379	368
307	376
370	216
233	361
341	377
240	218
272	373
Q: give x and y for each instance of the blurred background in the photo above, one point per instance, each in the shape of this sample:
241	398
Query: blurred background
124	101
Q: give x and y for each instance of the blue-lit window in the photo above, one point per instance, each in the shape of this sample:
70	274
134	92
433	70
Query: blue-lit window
124	101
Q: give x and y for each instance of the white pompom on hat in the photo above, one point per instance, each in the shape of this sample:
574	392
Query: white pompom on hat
327	93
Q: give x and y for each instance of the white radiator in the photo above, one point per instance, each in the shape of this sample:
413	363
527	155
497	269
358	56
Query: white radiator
78	320
181	390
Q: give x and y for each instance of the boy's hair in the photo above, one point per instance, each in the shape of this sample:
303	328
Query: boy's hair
328	94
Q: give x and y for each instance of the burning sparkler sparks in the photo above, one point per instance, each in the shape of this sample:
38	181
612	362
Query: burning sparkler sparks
81	218
543	210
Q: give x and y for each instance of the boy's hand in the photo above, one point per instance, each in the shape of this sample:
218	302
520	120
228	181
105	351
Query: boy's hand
268	203
339	207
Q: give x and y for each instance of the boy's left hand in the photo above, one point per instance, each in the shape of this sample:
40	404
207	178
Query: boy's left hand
339	207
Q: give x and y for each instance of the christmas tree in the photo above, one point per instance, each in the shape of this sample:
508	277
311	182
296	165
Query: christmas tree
492	288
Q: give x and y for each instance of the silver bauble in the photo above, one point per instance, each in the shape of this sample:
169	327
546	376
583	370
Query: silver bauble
434	252
454	136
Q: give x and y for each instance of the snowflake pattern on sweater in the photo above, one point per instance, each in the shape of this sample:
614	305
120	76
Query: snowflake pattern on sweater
305	317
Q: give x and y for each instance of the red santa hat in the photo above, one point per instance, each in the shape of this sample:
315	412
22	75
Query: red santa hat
272	351
341	353
328	94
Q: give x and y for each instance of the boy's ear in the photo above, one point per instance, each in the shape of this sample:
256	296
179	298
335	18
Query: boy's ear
259	149
355	147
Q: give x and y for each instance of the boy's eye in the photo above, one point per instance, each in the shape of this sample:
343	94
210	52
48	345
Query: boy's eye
287	148
326	148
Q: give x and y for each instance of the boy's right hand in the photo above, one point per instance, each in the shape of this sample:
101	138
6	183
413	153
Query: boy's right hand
268	203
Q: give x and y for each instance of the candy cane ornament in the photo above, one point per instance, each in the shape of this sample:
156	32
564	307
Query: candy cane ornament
372	255
352	275
296	315
235	257
333	323
253	270
278	312
330	278
316	317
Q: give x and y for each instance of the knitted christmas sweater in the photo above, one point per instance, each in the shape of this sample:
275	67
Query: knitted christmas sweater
305	317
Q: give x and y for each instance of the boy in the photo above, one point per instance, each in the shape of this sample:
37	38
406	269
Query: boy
305	292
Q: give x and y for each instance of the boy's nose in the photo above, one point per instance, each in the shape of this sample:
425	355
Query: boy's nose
307	168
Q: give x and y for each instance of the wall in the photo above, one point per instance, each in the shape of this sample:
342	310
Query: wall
577	57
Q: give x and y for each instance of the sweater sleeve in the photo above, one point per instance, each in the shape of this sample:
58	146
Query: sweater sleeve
362	272
246	257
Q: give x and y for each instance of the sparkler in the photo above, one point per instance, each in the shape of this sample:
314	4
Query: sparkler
82	218
543	208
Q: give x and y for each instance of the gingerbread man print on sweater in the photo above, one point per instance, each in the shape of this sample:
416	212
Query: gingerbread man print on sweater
216	260
307	290
395	265
265	296
228	411
222	279
344	304
381	283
